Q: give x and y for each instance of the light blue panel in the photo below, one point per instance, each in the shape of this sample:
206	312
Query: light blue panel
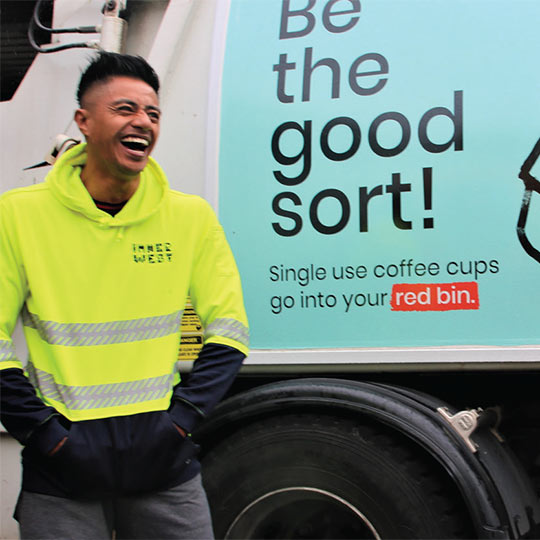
484	53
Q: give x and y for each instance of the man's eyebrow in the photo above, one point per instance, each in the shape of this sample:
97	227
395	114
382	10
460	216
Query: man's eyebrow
134	104
124	100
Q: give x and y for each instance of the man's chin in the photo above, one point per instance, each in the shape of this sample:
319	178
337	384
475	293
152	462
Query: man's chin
132	170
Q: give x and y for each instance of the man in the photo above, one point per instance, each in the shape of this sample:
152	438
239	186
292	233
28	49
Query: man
99	259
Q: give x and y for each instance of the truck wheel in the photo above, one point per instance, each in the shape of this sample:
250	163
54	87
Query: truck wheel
317	476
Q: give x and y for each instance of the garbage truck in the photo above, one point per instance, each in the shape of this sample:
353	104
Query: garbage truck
374	164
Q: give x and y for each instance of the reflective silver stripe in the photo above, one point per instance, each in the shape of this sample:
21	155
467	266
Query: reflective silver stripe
7	351
98	396
89	334
229	328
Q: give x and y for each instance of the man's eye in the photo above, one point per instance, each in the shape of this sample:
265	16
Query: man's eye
154	116
126	109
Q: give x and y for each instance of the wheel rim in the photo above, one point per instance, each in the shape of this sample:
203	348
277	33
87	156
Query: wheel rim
301	512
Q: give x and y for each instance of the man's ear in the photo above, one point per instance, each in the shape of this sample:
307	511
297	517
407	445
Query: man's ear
81	118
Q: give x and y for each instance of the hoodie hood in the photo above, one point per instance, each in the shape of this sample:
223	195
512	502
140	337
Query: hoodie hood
66	185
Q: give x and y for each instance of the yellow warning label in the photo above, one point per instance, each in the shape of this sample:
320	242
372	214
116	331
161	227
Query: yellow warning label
191	340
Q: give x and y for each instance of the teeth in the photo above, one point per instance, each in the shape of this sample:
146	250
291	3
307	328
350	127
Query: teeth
136	140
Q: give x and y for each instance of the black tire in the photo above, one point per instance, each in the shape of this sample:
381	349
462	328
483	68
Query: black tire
311	476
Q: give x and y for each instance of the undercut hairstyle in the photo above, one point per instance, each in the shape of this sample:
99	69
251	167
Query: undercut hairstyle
107	65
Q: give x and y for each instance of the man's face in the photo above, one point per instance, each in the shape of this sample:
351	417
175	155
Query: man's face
120	120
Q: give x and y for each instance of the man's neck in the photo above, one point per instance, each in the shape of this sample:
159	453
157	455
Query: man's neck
108	188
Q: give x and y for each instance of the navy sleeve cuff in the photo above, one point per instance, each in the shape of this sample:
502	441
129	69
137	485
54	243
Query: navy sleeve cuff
199	391
48	435
184	415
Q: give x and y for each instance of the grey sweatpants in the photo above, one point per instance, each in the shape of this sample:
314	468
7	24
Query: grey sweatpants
178	513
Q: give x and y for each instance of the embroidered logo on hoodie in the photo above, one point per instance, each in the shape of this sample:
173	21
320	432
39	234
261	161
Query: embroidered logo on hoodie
159	252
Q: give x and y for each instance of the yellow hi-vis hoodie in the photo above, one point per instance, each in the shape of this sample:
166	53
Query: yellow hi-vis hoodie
101	297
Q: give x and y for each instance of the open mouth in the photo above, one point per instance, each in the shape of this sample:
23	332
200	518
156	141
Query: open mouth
136	144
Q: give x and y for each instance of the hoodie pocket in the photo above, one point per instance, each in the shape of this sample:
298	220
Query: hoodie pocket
157	455
85	463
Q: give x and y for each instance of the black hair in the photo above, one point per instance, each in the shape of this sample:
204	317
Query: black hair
107	65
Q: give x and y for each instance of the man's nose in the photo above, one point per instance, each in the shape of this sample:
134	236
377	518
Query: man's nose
142	120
